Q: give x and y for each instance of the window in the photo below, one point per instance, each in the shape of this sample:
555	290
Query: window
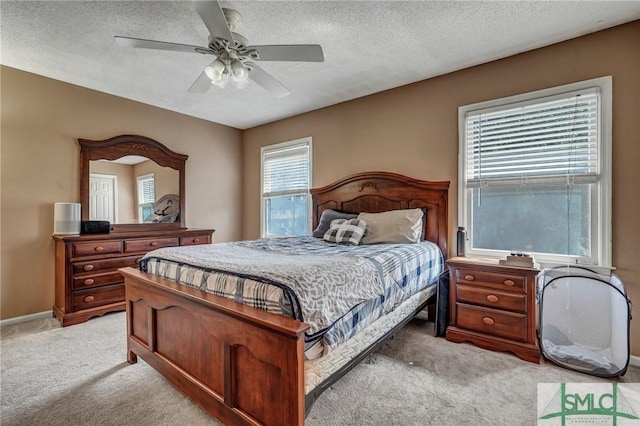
286	179
146	196
535	174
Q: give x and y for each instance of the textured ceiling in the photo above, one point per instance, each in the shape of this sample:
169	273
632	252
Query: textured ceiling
369	46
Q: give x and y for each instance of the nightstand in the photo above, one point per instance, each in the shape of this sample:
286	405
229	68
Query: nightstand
493	306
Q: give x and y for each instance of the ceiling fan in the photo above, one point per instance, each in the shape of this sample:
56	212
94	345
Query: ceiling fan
234	58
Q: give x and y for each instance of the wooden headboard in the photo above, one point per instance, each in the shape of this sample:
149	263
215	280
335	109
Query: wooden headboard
375	192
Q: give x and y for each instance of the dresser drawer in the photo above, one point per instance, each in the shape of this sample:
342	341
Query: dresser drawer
149	244
91	298
97	280
99	247
102	265
492	298
197	239
490	279
493	322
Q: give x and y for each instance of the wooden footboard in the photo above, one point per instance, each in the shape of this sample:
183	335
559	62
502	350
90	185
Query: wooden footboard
241	364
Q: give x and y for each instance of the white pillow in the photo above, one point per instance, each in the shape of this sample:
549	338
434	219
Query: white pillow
394	226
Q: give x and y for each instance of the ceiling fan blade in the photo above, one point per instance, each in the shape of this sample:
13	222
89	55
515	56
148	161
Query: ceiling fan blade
270	84
213	17
290	52
160	45
201	85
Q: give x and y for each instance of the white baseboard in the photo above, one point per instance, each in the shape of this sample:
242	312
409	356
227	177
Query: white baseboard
634	360
25	318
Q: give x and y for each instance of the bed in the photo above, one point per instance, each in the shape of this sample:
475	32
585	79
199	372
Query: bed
247	366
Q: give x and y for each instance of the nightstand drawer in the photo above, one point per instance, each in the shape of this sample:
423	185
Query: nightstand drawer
490	279
492	298
490	321
149	244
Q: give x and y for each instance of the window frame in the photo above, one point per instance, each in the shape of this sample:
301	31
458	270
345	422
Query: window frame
600	190
308	141
141	206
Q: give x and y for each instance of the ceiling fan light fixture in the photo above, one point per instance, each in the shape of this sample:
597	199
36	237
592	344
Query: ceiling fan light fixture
238	71
222	81
215	70
232	53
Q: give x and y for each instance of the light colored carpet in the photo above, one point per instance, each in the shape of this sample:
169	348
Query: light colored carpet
78	375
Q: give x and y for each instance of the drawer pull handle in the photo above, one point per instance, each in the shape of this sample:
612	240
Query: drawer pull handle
492	298
99	248
89	281
488	320
469	277
153	243
88	299
88	267
196	240
510	283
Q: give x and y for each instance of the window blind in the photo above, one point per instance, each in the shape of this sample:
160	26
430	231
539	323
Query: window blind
146	189
286	170
548	141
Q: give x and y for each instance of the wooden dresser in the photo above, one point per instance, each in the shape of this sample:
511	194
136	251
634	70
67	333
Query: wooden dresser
493	306
88	283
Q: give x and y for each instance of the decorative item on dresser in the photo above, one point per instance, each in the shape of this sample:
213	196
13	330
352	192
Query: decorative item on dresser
87	280
493	306
88	283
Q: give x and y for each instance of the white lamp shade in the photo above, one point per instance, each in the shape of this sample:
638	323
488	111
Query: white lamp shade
66	219
215	70
239	71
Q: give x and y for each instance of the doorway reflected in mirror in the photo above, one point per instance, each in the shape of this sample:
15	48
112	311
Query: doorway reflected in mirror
126	190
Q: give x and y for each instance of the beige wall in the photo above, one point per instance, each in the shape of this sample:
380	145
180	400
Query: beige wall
413	130
41	120
166	180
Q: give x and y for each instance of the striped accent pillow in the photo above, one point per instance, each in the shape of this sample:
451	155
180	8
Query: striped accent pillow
346	231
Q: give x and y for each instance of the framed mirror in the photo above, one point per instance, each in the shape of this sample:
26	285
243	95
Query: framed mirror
133	181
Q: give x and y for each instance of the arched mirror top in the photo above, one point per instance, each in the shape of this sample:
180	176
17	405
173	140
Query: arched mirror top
103	160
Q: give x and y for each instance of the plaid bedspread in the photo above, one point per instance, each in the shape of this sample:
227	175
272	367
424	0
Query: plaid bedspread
336	289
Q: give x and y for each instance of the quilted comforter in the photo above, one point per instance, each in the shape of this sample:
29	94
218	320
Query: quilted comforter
335	289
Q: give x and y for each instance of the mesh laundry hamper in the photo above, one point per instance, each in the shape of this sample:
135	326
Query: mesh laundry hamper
584	321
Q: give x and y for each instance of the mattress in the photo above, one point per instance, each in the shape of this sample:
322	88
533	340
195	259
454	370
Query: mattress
338	290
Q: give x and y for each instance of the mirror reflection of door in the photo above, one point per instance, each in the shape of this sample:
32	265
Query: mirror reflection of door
102	197
126	205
